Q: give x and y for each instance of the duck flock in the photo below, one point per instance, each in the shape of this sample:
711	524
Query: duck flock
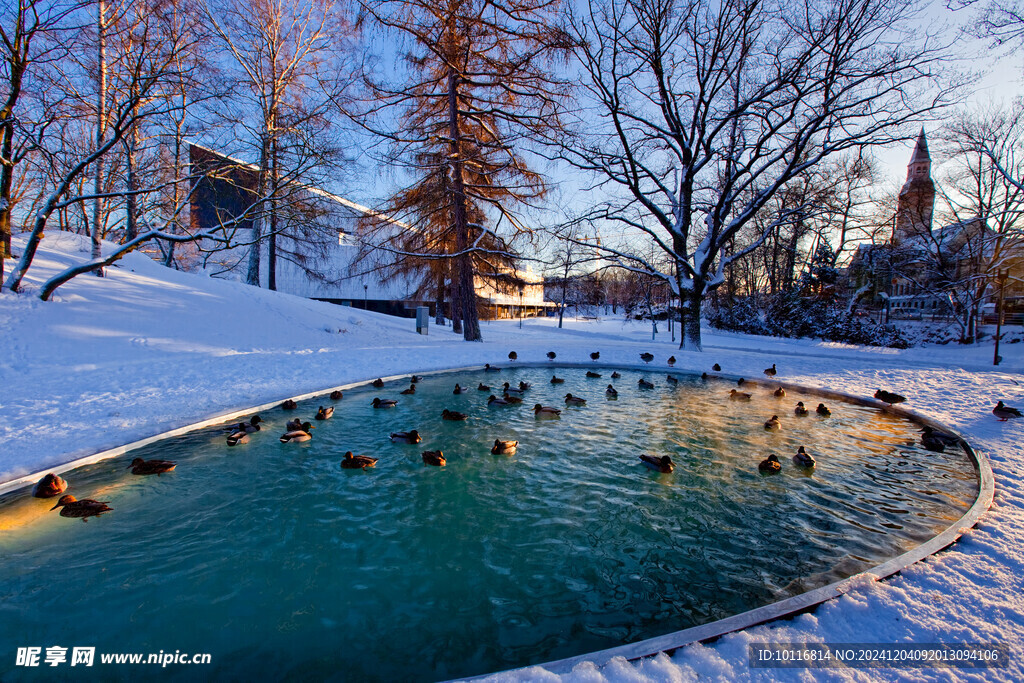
297	431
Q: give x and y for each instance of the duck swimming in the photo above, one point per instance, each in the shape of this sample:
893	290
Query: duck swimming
644	384
823	410
298	435
253	425
513	400
377	383
610	392
489	368
415	378
49	486
770	465
157	467
411	436
546	411
779	393
435	458
738	395
504	447
325	413
593	375
408	392
493	400
615	375
289	405
453	415
483	387
800	410
509	389
557	380
292	425
773	424
357	462
460	390
941	437
663	464
385	403
1005	412
85	508
571	400
672	379
336	395
933	443
803	458
237	437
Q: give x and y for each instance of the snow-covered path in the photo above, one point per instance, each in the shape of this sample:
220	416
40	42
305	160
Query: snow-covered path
147	349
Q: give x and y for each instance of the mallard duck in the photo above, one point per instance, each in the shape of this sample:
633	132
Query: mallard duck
644	384
646	357
509	389
800	409
740	382
460	390
453	415
384	403
435	458
292	425
546	411
512	355
933	443
595	355
377	383
523	386
671	361
823	410
489	368
158	467
889	397
770	465
87	507
504	447
552	355
325	413
779	393
357	462
408	392
1005	412
289	405
738	395
415	379
593	375
49	486
512	399
946	439
238	437
299	435
336	395
493	400
411	436
770	372
615	375
716	367
671	379
571	400
611	392
704	376
557	380
773	424
663	464
483	387
803	458
253	425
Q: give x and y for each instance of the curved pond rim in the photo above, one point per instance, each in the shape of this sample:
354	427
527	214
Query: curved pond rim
670	642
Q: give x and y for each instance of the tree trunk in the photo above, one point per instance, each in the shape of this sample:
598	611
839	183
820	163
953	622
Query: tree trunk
253	276
439	310
131	230
689	317
6	152
463	262
101	124
272	237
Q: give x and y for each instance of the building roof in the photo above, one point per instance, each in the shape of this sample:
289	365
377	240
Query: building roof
921	150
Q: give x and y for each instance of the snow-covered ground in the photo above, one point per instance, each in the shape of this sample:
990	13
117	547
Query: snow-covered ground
147	349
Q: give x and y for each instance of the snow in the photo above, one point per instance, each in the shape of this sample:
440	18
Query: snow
147	349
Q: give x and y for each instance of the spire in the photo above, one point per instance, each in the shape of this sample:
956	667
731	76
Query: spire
921	150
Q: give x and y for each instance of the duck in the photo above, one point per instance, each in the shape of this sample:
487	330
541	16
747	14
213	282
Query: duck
557	380
546	411
460	390
357	462
325	413
85	508
889	397
610	392
738	395
595	355
411	436
770	372
646	357
513	356
671	361
932	442
773	424
489	368
513	400
663	464
644	384
493	400
483	387
740	382
377	383
453	415
49	486
289	405
336	395
823	410
408	392
671	379
237	437
616	375
415	379
384	403
803	458
253	425
157	467
800	409
593	375
292	425
552	355
435	458
509	389
523	386
504	447
779	393
571	400
946	439
1005	412
298	435
704	377
716	367
770	465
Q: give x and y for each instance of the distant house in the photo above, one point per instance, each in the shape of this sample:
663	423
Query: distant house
320	254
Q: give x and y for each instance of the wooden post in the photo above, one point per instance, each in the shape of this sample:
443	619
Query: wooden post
1001	281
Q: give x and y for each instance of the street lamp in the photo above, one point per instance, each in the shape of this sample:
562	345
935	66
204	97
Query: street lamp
365	286
522	290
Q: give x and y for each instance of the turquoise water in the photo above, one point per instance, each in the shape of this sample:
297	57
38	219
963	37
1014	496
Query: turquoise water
280	564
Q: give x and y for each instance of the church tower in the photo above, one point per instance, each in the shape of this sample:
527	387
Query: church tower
917	196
